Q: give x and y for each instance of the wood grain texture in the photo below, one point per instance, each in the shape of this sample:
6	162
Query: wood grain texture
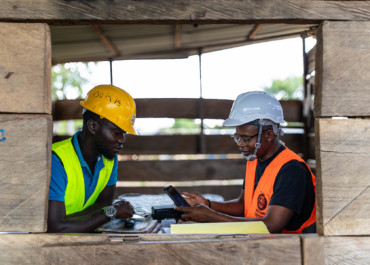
228	192
148	250
312	249
185	10
343	69
24	172
25	68
180	170
347	250
176	108
189	144
343	177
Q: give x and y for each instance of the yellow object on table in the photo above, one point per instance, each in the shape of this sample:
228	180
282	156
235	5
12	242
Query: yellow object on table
255	227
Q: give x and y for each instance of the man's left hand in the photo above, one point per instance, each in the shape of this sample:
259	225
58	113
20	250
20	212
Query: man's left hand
197	213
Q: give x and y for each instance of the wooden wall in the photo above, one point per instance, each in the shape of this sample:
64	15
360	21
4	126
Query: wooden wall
341	89
342	145
25	118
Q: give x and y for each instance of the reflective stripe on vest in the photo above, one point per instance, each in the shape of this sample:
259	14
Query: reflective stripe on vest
257	201
74	197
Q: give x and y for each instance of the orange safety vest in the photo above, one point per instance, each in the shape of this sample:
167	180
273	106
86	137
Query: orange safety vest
257	201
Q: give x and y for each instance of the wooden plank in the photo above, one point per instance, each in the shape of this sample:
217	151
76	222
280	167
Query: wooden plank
312	249
178	170
67	110
343	194
311	60
285	251
188	144
150	249
343	69
25	157
175	108
346	250
228	192
185	11
25	68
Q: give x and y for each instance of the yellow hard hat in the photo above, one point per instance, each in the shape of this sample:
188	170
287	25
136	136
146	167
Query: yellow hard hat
114	104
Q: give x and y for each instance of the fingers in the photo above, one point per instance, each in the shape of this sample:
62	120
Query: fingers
182	209
190	195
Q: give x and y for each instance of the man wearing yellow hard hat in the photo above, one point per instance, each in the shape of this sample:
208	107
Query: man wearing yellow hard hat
84	167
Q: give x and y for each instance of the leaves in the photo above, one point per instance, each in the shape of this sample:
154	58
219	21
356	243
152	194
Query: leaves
67	81
289	88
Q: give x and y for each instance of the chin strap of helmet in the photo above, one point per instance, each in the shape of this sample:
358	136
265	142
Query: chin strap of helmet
257	145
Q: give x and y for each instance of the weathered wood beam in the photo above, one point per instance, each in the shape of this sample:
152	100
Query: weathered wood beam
254	31
311	60
187	11
150	249
176	108
106	41
181	170
178	32
25	157
343	193
25	71
228	192
343	69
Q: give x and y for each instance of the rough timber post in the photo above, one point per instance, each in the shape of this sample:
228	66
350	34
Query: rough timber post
26	126
343	140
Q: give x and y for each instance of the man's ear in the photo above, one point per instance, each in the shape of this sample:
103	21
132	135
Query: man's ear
270	135
92	126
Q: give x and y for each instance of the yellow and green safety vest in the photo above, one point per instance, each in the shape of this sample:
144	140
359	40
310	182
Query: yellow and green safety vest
74	197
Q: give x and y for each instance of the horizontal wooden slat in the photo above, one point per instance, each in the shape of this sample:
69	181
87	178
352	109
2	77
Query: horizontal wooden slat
343	63
227	192
346	249
178	170
176	108
25	157
67	110
25	71
311	60
189	144
343	177
232	11
150	249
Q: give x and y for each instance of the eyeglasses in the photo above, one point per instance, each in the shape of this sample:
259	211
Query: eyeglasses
243	138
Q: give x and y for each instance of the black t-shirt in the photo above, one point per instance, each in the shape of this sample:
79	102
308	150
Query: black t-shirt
293	189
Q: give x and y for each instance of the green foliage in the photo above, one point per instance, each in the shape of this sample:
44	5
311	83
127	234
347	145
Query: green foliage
185	124
182	126
66	80
289	88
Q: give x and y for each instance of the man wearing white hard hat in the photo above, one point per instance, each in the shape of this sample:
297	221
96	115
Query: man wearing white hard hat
279	188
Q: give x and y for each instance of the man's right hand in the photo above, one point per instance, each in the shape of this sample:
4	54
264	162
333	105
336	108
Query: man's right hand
124	209
194	199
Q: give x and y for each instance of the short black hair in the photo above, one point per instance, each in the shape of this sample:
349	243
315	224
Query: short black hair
89	115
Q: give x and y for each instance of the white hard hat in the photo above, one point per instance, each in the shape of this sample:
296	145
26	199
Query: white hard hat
255	105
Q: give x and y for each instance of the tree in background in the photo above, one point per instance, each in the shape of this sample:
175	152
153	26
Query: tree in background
66	80
66	83
289	88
